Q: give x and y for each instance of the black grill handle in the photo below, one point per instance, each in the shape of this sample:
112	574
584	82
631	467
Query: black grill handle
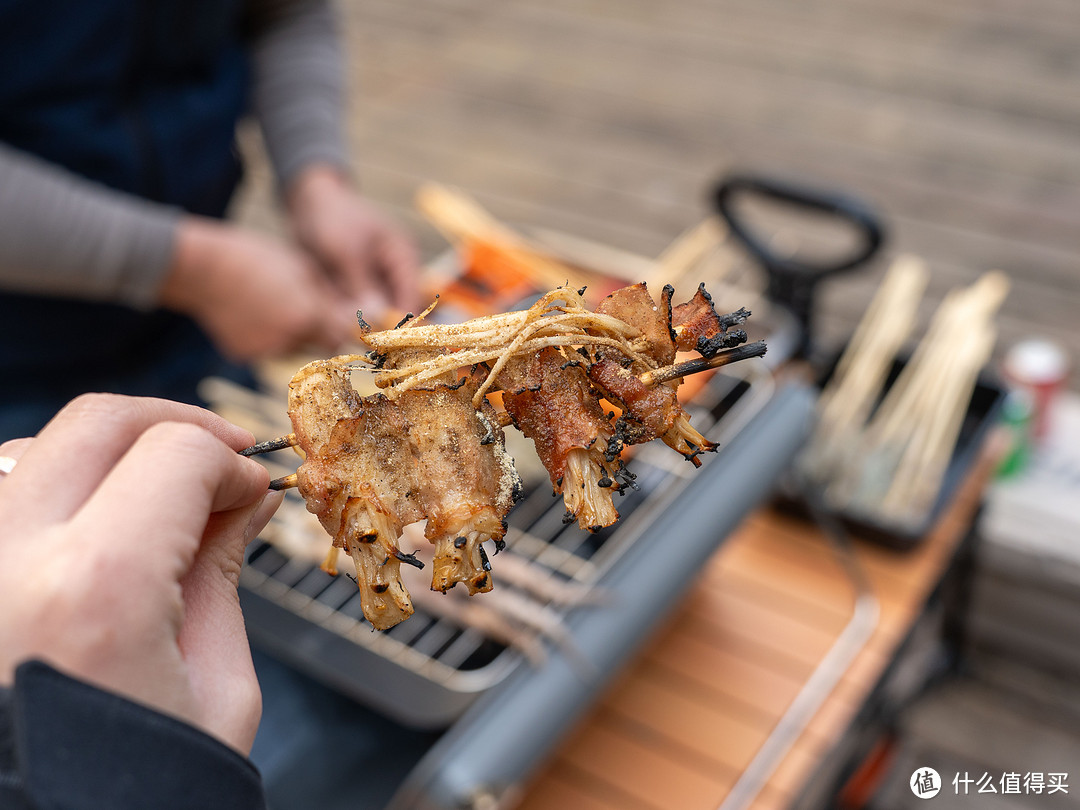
793	281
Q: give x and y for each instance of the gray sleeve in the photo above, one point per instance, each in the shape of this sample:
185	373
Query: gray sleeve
63	235
299	84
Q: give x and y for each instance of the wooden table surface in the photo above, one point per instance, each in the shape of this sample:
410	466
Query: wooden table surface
678	728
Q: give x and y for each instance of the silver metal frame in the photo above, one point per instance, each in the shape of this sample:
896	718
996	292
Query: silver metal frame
851	641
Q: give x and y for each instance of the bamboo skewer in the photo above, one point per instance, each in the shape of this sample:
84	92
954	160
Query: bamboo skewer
270	446
960	312
888	321
285	482
848	398
462	220
900	456
653	377
924	462
699	364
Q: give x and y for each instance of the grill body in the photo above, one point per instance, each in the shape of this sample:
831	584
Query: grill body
484	758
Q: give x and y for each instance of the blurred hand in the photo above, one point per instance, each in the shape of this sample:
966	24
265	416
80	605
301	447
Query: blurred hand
371	260
124	527
255	295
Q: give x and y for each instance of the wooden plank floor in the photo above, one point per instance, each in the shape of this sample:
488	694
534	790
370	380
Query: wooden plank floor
611	119
680	726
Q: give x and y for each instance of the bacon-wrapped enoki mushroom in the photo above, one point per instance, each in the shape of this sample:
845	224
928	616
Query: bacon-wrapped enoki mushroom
467	481
431	446
651	407
359	481
550	400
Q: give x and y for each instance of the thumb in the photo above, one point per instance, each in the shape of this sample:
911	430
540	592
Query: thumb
212	638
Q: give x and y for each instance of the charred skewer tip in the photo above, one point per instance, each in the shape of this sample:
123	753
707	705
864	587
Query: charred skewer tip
285	482
723	358
270	445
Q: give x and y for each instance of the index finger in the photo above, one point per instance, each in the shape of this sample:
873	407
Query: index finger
14	449
73	453
160	495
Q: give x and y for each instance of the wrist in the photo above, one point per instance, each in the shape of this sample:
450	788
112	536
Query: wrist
196	244
315	184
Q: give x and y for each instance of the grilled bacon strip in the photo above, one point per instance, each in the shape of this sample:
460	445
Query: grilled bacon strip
650	410
550	400
360	483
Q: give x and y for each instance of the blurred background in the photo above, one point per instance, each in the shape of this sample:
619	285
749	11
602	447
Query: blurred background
959	124
612	120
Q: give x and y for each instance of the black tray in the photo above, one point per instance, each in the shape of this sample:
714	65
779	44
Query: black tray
982	414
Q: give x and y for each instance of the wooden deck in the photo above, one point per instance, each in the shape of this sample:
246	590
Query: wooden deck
611	119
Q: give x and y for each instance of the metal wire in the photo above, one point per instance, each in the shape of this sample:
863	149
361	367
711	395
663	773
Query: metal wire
851	641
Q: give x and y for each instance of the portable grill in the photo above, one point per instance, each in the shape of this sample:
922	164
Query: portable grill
426	671
499	715
505	712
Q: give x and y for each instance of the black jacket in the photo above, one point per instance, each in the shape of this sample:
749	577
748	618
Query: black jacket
142	96
66	745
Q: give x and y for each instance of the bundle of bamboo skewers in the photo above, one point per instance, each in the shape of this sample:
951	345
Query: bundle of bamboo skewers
889	462
552	258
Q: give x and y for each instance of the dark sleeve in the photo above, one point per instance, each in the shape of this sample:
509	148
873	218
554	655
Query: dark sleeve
66	744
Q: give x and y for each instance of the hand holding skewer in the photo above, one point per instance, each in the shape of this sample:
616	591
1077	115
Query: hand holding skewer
159	508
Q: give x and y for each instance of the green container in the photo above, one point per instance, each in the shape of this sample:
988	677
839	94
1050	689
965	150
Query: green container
1017	412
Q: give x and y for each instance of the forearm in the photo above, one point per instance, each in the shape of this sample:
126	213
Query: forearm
66	236
299	86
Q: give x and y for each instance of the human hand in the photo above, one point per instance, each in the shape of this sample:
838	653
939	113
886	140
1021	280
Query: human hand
255	295
124	526
371	260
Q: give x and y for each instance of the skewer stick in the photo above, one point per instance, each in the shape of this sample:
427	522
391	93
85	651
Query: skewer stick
285	482
271	445
462	220
699	364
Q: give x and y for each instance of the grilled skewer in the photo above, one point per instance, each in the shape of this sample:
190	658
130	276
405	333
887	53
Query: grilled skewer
697	365
289	440
430	446
648	378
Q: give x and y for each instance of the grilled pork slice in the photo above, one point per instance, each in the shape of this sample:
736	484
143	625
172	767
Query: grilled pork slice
653	411
635	305
550	400
467	481
320	394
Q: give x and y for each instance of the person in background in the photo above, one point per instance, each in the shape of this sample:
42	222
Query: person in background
117	163
126	680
